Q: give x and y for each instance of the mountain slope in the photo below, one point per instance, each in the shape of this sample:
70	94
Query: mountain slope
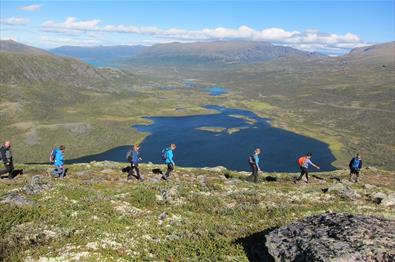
218	52
15	47
382	53
98	53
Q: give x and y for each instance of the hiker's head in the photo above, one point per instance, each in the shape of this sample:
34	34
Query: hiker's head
173	146
136	147
358	156
257	151
309	155
62	148
7	144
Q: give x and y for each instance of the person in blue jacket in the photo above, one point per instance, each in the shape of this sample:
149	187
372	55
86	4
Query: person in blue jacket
134	159
253	160
167	155
355	166
59	170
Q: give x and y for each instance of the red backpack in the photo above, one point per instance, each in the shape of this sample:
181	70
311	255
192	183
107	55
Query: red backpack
301	160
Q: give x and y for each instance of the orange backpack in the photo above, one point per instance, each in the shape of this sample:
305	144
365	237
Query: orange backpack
301	160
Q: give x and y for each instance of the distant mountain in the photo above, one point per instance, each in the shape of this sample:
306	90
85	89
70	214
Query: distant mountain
376	53
228	52
15	47
98	54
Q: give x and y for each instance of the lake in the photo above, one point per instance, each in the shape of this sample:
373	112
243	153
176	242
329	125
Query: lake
227	139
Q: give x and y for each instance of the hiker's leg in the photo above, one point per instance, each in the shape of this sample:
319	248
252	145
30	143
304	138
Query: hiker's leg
6	170
61	172
169	170
301	174
356	176
350	176
138	172
55	172
307	176
11	170
255	174
130	173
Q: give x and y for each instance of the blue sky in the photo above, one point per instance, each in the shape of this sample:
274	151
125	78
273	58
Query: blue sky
326	26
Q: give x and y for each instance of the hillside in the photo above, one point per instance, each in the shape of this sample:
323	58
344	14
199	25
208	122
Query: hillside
228	52
384	53
15	47
199	214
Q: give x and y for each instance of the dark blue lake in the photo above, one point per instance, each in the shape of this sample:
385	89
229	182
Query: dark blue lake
226	139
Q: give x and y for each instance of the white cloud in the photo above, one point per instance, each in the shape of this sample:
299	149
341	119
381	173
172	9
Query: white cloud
30	8
310	39
14	21
69	41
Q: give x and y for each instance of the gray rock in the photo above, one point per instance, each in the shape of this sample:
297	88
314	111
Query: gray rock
378	197
343	191
383	199
334	237
36	185
16	199
389	200
368	186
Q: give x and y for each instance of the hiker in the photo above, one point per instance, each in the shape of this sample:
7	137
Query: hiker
304	163
58	156
355	166
167	156
253	160
6	156
134	158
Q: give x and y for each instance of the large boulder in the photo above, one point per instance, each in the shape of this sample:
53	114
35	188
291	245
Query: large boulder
343	191
334	237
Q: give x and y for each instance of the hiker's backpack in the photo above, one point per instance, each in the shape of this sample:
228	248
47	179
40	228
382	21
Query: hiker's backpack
164	154
52	156
129	155
301	160
251	159
355	163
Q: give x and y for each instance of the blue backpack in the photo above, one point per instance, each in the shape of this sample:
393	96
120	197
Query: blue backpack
164	153
355	163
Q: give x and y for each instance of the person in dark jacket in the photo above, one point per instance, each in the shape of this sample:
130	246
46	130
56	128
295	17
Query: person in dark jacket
134	159
355	166
253	160
6	157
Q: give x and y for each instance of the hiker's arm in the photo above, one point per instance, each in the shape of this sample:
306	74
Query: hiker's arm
314	165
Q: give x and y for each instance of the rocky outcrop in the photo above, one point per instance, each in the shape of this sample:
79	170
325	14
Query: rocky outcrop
334	237
36	185
342	190
16	199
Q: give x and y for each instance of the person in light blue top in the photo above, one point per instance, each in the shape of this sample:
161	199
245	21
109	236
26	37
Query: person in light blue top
253	160
59	170
167	155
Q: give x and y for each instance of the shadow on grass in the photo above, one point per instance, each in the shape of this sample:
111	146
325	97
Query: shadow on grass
255	246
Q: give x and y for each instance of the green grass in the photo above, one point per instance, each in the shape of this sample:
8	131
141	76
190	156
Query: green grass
109	219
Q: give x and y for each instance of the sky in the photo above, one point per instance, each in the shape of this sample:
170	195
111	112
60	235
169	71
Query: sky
332	27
